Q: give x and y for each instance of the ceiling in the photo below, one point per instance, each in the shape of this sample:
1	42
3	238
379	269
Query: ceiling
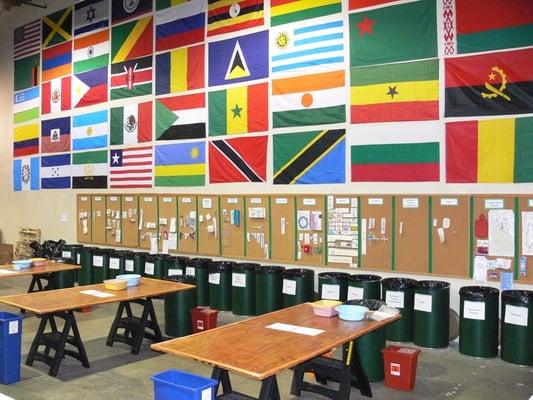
6	5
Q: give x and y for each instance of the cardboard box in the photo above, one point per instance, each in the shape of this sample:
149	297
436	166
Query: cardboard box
6	253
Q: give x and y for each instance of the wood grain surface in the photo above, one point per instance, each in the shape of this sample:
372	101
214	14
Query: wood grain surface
48	268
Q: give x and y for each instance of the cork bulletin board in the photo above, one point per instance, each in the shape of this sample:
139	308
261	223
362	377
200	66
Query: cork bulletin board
208	225
525	239
148	219
377	232
257	227
84	218
187	224
232	226
113	224
311	243
283	224
130	222
98	206
167	223
342	231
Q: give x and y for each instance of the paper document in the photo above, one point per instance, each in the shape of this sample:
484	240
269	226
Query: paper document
7	272
97	293
302	330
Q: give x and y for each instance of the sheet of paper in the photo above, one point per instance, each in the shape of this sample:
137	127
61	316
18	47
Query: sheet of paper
172	227
503	263
164	248
501	233
153	245
173	241
7	272
281	327
302	220
527	233
316	221
301	330
97	293
480	268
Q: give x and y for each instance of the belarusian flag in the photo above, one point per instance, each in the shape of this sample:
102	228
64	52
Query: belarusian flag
180	117
131	124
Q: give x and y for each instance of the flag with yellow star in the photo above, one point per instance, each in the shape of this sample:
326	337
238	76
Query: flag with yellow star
89	87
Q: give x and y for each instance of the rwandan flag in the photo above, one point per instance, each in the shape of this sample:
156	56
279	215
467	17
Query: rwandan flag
180	164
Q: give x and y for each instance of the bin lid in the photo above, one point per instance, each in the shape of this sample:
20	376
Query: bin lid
155	257
270	269
297	272
86	249
102	252
191	280
246	266
333	275
200	262
121	253
398	283
221	266
371	304
141	254
478	292
364	277
518	296
73	246
432	285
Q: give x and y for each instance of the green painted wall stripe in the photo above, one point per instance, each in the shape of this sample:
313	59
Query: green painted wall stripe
197	230
517	225
471	241
269	227
219	227
324	238
393	238
295	229
430	233
359	236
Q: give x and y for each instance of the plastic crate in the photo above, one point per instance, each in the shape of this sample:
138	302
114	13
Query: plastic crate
10	343
178	385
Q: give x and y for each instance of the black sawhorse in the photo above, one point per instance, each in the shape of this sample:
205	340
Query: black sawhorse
57	340
135	327
269	387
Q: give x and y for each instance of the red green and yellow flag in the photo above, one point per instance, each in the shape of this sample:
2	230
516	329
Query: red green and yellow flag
285	11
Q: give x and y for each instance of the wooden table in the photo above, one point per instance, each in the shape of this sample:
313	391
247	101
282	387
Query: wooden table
45	272
251	349
61	303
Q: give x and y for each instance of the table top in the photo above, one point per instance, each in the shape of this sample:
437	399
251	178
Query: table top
71	298
249	348
48	268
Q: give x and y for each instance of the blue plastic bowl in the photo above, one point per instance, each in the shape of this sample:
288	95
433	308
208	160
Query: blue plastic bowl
133	279
22	263
351	312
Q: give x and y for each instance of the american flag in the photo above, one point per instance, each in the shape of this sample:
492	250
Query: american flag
131	167
27	39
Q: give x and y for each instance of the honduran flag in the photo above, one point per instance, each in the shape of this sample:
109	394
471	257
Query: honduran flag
55	171
56	95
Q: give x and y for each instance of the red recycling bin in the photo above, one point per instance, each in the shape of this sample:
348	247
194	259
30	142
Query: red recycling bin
400	367
203	319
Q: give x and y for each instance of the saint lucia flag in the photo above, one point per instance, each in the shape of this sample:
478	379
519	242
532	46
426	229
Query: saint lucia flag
26	174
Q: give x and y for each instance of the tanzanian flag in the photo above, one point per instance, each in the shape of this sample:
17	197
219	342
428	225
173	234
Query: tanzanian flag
180	164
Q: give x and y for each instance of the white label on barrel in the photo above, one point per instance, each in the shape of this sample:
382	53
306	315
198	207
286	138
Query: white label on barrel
238	280
394	299
395	369
114	263
331	292
190	271
289	287
98	261
13	327
206	394
355	293
129	266
516	315
173	272
78	258
423	302
66	254
149	268
474	310
214	278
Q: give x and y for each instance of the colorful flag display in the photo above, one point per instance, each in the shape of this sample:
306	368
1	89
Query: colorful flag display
26	140
131	78
131	124
132	40
57	27
308	100
225	17
285	11
26	174
180	70
89	87
180	164
89	170
57	61
238	160
27	39
55	171
55	135
90	131
124	10
356	4
489	84
395	92
180	25
308	46
90	16
310	157
162	4
240	59
396	33
130	168
56	95
91	51
490	151
27	72
26	105
240	109
180	117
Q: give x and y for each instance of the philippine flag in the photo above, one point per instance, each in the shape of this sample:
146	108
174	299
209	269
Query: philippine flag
89	88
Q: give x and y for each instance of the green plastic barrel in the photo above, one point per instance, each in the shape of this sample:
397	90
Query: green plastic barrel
268	286
199	267
154	266
63	279
243	288
138	262
85	275
177	308
333	285
72	251
400	294
364	286
220	285
298	286
517	327
432	314
100	264
117	262
478	321
129	262
175	265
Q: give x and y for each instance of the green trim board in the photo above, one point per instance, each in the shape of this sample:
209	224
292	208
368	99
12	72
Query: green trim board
430	234
471	244
393	234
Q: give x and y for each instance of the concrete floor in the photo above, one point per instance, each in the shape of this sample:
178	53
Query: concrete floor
116	374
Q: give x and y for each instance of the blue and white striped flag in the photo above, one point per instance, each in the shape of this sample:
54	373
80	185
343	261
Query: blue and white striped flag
55	171
90	131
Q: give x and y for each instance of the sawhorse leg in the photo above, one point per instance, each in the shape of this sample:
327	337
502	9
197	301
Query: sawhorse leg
269	386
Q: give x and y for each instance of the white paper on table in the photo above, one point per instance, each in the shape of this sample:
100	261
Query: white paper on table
302	330
527	233
501	232
97	293
516	315
474	310
7	272
153	245
503	263
331	292
289	287
281	327
481	265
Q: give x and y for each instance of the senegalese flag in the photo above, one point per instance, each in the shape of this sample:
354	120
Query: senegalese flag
162	4
395	92
180	26
240	109
490	151
27	72
308	100
285	11
89	169
401	32
180	70
356	4
310	157
26	105
91	51
26	140
57	27
180	117
180	164
132	40
230	16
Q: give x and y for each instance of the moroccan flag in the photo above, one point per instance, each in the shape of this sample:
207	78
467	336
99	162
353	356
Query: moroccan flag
310	157
131	123
57	27
91	51
89	87
239	59
90	16
180	117
180	70
56	95
489	84
89	170
395	92
55	171
225	17
130	168
285	11
356	4
241	109
180	164
55	135
131	78
26	174
27	39
180	25
132	40
407	152
484	25
238	160
90	131
25	140
26	105
396	33
309	100
490	151
123	10
162	4
57	61
27	72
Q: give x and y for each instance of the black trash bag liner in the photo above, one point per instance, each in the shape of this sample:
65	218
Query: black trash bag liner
334	275
221	266
433	285
398	283
521	297
37	249
190	280
270	269
371	304
246	266
478	292
364	278
297	272
48	249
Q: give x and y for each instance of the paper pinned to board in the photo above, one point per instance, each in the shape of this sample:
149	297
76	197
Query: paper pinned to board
527	233
481	264
501	232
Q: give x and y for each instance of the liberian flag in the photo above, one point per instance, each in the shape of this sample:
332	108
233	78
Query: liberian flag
180	117
180	25
130	168
89	88
56	95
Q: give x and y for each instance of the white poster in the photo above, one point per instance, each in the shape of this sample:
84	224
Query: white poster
501	233
527	233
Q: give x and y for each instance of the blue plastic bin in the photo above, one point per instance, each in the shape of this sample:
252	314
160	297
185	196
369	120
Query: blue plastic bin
10	337
178	385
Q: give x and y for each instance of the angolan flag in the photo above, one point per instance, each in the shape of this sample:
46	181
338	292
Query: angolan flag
130	167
